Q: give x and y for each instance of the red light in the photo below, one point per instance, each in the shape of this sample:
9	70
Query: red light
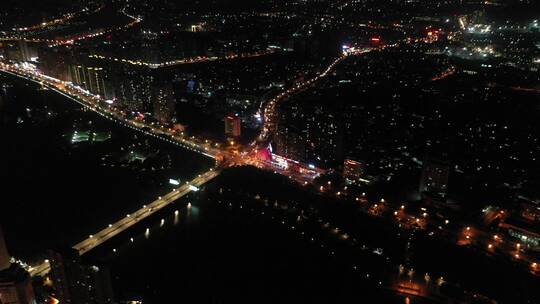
375	39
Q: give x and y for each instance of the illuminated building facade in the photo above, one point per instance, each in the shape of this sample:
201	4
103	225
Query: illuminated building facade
232	126
291	143
18	51
135	92
163	103
352	171
55	62
311	134
93	79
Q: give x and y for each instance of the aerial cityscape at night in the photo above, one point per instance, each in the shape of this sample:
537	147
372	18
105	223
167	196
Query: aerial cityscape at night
269	151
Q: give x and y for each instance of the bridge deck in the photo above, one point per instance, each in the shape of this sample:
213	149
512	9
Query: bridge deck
141	214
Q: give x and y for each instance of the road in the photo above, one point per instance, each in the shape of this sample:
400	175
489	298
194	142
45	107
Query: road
72	39
99	106
304	174
183	61
132	219
240	155
269	112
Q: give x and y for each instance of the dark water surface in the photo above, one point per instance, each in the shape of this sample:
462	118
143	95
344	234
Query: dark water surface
56	192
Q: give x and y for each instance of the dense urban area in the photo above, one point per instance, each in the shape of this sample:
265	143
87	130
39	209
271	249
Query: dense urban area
270	151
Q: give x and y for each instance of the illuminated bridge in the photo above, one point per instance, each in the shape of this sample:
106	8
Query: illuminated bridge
238	157
132	219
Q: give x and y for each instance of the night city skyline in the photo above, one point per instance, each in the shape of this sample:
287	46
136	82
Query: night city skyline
270	151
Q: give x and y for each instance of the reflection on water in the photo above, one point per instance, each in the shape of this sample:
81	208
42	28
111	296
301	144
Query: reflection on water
74	188
202	251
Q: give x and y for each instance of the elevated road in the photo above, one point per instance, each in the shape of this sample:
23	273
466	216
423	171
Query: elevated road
132	219
100	106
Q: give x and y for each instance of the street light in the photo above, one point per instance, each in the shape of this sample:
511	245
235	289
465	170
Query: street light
440	281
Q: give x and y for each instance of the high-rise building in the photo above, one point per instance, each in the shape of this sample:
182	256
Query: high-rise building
19	50
352	171
135	87
77	283
93	79
55	61
4	255
164	105
290	142
325	137
311	133
15	282
232	126
434	179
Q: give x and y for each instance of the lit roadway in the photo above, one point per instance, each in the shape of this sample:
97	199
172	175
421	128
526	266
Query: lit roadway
99	106
183	61
72	39
132	219
231	156
269	111
57	21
